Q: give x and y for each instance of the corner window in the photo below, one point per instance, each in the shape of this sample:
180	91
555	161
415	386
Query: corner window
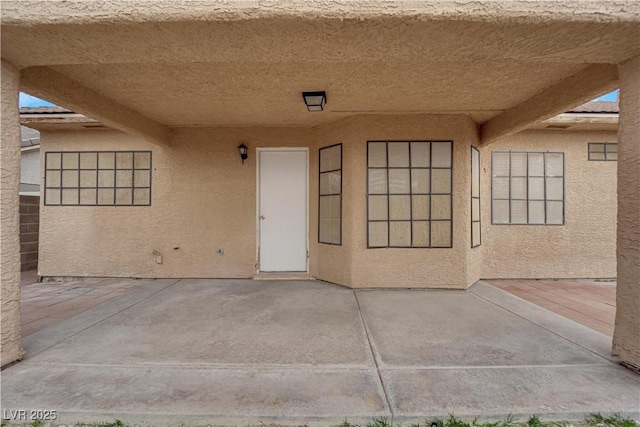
527	188
409	203
330	195
603	151
98	178
475	198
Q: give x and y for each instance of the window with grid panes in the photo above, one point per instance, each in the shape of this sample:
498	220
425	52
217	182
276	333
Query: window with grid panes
475	198
527	188
603	151
104	178
330	195
409	194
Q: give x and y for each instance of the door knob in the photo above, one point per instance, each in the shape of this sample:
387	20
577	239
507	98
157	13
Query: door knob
261	217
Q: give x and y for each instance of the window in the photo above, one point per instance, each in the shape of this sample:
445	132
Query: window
603	151
527	188
475	198
330	194
90	178
409	201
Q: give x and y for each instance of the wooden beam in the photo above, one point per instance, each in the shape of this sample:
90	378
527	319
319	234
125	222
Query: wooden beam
584	86
55	87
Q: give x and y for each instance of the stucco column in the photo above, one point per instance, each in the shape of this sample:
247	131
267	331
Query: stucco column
9	216
626	337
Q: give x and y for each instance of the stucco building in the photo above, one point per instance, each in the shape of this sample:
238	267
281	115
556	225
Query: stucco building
29	198
382	138
512	214
30	162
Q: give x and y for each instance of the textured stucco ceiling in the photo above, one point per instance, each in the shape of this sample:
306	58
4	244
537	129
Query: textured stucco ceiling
247	66
286	39
258	93
29	12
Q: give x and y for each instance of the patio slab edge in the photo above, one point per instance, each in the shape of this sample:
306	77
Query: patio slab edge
48	337
174	396
578	334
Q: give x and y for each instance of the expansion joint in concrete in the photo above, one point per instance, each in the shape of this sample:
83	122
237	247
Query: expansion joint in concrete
373	357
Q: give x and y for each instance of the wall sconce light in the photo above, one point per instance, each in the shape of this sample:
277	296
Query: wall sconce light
244	152
315	100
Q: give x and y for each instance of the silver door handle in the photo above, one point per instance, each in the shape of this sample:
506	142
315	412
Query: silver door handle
262	217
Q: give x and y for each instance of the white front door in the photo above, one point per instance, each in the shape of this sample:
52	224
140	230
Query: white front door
282	209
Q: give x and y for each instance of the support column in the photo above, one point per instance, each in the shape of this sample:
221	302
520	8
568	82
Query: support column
11	349
626	337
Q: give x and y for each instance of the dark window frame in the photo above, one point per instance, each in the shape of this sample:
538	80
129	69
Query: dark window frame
97	169
527	199
320	195
411	193
479	220
605	153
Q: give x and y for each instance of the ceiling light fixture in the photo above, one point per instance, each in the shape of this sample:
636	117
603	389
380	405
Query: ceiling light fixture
315	101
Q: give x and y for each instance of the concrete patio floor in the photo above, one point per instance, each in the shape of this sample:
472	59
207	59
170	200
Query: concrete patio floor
43	304
591	303
243	352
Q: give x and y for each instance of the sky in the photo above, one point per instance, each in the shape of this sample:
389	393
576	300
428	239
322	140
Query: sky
32	101
612	96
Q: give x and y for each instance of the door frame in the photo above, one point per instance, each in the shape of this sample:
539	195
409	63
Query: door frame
258	235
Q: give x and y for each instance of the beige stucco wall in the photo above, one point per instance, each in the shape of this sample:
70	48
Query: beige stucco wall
585	247
412	267
203	199
475	256
333	263
9	217
58	12
626	342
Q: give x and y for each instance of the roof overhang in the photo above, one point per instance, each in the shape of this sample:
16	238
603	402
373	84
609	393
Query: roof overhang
147	67
30	148
570	121
56	12
50	121
580	122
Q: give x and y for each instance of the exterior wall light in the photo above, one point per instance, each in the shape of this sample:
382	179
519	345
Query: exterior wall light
244	152
315	100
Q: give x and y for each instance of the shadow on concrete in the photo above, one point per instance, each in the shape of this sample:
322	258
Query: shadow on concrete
307	352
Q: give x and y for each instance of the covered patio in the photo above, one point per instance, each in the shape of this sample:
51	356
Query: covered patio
238	352
185	84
